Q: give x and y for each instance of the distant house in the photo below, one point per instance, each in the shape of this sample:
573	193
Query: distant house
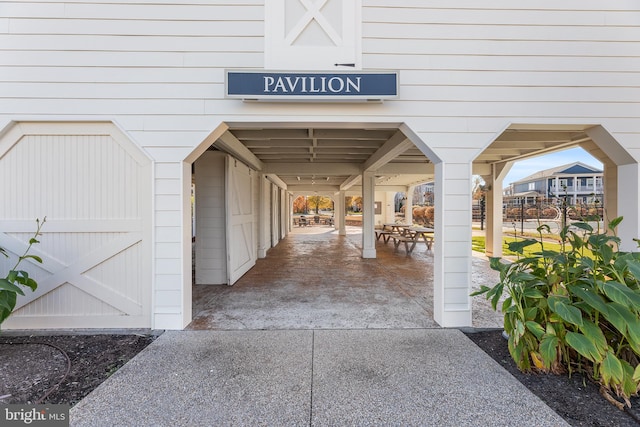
580	183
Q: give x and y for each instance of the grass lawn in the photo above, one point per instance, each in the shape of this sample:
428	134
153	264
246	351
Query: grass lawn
478	244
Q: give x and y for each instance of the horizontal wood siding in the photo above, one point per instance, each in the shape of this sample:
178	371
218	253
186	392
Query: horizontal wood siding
467	70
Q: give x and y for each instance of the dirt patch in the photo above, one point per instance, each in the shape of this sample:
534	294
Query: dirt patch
61	369
575	399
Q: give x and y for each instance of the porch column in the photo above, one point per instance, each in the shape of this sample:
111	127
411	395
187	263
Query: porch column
290	200
340	214
264	215
628	205
408	206
452	258
493	205
389	212
610	189
368	215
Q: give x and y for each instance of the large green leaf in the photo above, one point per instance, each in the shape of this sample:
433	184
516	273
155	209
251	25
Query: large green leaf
567	312
535	328
620	317
611	369
549	349
519	330
530	313
615	222
582	226
621	294
594	334
629	386
634	268
519	245
506	304
590	296
584	346
8	286
636	374
533	293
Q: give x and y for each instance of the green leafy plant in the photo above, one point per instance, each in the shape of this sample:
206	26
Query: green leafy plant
574	309
11	285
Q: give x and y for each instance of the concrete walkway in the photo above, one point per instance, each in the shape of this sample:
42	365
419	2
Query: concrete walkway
314	335
408	377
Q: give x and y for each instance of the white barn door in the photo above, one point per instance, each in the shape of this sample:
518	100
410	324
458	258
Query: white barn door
312	34
241	247
94	186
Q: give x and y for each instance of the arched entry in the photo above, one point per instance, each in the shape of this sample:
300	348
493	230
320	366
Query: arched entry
520	141
360	157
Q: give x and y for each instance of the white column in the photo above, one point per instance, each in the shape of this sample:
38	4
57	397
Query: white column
389	212
628	205
452	257
368	215
493	204
264	216
340	214
408	206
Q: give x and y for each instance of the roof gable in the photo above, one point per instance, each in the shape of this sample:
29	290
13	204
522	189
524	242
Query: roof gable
578	168
571	168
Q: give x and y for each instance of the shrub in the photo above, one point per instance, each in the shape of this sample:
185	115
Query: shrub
15	280
567	312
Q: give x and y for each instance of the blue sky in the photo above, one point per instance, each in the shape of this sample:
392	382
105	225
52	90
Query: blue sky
527	167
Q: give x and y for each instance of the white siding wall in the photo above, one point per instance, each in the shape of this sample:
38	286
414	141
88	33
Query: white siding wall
467	70
211	251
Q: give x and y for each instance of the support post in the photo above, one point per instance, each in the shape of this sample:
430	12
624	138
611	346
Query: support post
368	215
408	206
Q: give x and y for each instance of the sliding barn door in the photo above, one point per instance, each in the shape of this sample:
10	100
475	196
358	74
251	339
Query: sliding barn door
241	246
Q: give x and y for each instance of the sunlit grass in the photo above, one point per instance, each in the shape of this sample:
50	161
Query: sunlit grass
478	244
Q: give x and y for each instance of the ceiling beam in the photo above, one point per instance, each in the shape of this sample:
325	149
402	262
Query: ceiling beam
230	144
313	187
321	169
406	168
350	182
394	146
277	181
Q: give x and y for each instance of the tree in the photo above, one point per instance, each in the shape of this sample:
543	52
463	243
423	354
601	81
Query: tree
319	202
354	203
299	205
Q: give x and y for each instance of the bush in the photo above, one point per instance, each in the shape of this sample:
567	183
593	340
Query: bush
565	311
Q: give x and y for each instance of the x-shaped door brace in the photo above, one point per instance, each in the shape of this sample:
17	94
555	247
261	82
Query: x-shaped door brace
313	12
74	273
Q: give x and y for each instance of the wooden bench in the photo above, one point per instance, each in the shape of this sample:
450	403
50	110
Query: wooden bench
412	238
406	239
385	234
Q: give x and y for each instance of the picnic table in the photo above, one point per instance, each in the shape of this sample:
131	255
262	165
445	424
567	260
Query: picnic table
389	229
410	236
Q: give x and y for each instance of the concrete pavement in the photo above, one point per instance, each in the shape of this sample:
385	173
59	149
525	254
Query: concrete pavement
407	377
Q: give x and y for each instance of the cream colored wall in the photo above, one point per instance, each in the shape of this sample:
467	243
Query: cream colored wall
467	70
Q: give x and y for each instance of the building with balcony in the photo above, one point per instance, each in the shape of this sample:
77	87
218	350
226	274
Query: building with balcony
578	182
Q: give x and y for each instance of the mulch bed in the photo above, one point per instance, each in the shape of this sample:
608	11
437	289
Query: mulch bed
576	399
61	369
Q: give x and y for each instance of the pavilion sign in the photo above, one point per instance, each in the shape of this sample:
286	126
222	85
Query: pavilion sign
311	86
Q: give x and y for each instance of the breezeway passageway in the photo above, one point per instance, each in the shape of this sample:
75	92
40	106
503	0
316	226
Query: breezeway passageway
316	279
